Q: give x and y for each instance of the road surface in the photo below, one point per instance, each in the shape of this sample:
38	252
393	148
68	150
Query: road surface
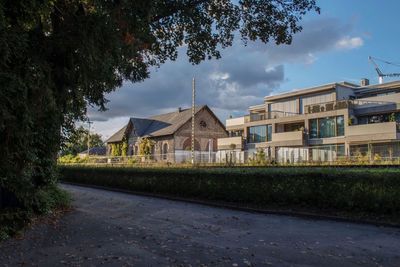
115	229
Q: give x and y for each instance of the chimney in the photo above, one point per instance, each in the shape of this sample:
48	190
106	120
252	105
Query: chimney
364	82
179	109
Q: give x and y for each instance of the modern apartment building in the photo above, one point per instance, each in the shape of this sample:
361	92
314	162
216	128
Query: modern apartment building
322	123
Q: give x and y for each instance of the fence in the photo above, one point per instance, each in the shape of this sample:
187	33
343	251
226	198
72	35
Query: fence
382	153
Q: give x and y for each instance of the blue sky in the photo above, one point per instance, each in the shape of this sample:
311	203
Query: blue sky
376	22
333	46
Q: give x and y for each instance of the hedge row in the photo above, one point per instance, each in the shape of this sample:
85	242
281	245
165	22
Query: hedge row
372	191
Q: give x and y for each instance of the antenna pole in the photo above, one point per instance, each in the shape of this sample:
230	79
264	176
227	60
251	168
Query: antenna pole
193	113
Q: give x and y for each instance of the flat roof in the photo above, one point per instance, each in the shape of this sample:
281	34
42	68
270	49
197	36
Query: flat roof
257	107
311	90
377	87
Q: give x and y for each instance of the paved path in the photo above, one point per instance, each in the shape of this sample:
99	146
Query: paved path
115	229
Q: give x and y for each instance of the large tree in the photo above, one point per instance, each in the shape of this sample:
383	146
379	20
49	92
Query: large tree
58	56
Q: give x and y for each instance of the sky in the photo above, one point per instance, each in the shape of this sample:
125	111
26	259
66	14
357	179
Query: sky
333	46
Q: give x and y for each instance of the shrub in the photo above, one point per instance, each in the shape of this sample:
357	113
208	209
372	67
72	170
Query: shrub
45	200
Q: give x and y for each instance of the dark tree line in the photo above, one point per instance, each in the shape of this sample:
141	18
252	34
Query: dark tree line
58	56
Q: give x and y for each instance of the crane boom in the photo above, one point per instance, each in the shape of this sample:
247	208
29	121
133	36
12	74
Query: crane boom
381	75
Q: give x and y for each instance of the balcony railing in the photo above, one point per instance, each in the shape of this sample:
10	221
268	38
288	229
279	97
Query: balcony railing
230	143
328	106
372	131
342	104
234	122
287	137
268	115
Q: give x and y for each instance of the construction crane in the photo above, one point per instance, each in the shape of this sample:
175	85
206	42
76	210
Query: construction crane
381	75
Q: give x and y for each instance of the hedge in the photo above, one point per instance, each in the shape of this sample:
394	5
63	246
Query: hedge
371	191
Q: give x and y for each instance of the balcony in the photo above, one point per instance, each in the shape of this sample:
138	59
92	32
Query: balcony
344	104
372	132
268	115
235	123
295	138
230	143
328	106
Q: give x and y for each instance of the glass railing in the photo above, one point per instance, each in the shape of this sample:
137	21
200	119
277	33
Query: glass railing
268	115
327	106
343	104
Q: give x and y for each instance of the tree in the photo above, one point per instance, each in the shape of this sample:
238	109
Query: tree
78	141
58	56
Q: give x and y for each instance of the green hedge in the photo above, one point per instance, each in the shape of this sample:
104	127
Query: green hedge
372	191
46	200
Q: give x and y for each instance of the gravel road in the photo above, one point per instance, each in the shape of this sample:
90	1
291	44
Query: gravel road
115	229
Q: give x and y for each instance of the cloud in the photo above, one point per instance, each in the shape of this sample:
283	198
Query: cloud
243	76
350	42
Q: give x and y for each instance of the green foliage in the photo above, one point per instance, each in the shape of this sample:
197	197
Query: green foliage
259	158
57	57
116	149
392	117
49	198
124	147
45	201
72	159
145	147
78	141
358	190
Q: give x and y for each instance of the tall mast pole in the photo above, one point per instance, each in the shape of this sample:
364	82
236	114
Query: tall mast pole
88	139
193	113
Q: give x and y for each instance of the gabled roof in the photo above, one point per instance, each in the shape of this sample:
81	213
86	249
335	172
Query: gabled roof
97	150
118	136
169	123
140	125
158	125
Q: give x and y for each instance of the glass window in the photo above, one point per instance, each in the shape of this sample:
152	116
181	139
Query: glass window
340	126
269	132
314	128
259	134
327	127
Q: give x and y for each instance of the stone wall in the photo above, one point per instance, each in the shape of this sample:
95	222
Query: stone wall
206	127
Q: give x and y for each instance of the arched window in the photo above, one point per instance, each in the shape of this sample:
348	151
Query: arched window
165	151
212	143
187	145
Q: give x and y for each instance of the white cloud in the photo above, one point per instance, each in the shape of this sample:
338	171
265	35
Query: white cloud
230	85
350	42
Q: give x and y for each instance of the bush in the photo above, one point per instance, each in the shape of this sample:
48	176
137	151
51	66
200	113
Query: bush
45	200
372	191
67	159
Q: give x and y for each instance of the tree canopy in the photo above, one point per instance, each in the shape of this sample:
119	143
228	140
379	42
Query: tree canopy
58	56
78	141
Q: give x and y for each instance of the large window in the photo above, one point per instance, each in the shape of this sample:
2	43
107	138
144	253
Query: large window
327	127
258	134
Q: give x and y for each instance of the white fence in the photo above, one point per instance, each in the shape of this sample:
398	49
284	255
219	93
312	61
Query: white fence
369	153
